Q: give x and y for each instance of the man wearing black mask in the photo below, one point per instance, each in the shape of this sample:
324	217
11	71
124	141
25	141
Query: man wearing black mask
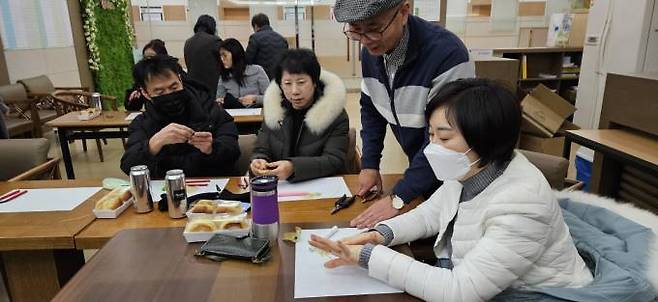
182	127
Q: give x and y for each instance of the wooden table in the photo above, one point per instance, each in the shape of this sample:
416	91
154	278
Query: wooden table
69	127
101	231
38	250
158	265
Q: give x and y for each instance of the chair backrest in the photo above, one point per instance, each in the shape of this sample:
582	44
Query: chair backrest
13	92
39	85
554	168
246	143
353	159
20	155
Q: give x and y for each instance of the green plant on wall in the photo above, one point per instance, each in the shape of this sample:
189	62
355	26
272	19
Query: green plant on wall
109	38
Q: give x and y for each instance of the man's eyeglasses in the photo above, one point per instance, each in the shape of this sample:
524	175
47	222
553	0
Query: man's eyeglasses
371	35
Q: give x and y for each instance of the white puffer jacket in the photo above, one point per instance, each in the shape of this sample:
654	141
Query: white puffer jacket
512	234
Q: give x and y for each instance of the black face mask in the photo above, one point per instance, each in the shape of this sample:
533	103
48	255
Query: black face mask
172	106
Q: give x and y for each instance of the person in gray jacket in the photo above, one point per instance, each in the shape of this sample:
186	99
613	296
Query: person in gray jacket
305	127
265	45
240	85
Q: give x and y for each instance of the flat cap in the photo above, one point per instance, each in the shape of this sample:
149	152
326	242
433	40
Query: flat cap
359	10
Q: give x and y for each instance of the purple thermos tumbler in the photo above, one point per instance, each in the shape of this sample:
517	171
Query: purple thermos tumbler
265	208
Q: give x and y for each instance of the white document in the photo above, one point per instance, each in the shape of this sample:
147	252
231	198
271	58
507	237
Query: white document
244	111
321	188
157	188
312	279
132	116
46	200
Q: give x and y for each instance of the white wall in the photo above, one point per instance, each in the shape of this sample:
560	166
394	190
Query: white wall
59	64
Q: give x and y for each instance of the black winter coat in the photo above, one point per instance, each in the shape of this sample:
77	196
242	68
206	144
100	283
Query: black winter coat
265	48
201	53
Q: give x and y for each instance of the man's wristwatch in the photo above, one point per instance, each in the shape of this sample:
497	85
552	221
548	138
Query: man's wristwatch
396	202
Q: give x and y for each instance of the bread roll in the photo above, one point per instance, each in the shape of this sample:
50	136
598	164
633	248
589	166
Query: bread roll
126	194
201	225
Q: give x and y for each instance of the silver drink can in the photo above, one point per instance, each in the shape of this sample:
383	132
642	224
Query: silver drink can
96	101
140	187
176	193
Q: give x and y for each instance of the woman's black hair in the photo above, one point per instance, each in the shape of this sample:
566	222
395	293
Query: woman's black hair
206	24
157	45
486	113
300	61
239	62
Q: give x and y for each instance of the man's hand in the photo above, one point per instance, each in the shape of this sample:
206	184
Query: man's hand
282	169
248	100
134	95
171	134
220	101
258	166
202	141
369	179
381	210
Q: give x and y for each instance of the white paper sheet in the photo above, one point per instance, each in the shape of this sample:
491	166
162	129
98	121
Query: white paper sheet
157	188
46	200
244	112
321	188
312	279
132	116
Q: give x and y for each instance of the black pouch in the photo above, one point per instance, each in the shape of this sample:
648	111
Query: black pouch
222	247
231	102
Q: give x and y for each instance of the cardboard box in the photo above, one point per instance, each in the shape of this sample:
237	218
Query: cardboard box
578	29
551	146
544	112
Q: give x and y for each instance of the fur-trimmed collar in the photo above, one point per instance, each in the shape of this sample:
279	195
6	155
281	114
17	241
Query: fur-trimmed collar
325	110
630	212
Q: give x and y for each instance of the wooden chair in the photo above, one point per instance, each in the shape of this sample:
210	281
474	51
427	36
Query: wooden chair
23	118
46	171
27	159
43	91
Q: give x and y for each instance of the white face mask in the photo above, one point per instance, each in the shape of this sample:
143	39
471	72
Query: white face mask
447	164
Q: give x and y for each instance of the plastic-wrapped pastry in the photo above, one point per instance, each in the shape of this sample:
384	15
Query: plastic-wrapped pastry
228	224
229	207
114	199
201	225
204	206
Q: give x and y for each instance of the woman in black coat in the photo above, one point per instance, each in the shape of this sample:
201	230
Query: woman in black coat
305	127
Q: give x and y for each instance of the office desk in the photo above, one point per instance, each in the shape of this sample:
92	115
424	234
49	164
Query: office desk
629	162
100	231
38	250
158	265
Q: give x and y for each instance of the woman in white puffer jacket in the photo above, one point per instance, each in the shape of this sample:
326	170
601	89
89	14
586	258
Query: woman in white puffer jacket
496	221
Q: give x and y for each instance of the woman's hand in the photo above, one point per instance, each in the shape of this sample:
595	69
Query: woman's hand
258	167
248	100
372	237
282	169
346	254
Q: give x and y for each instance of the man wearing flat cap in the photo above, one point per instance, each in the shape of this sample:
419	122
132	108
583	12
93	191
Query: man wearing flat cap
405	61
